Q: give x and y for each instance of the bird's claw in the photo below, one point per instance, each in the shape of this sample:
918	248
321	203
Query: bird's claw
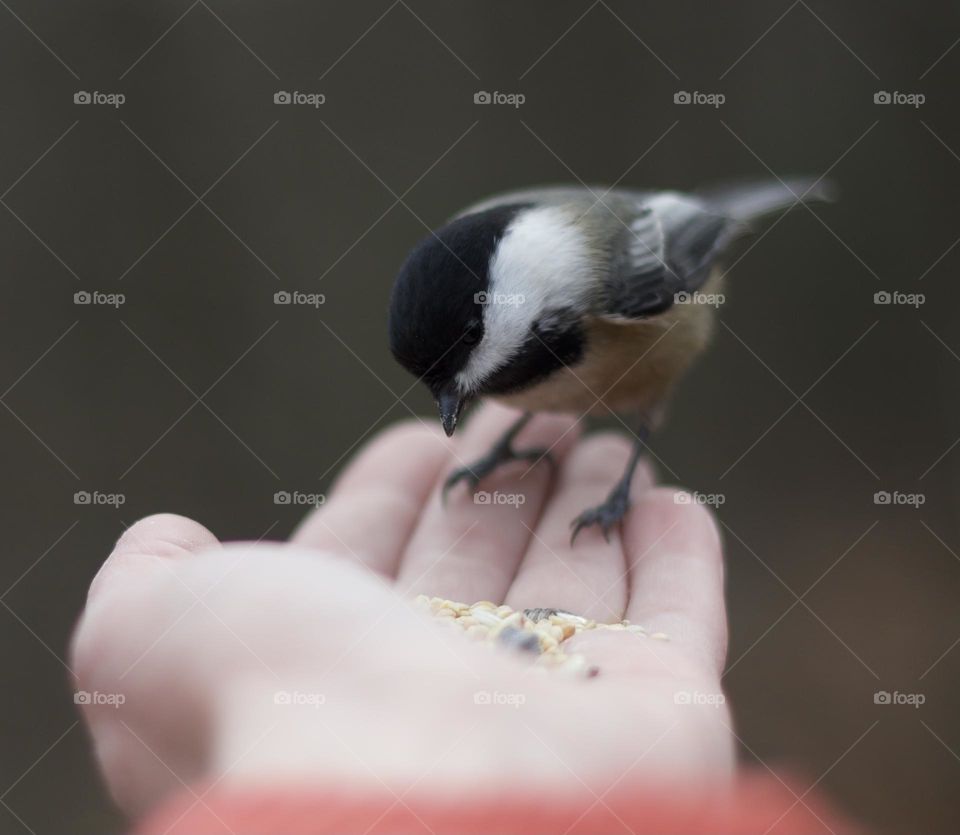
479	470
466	474
606	515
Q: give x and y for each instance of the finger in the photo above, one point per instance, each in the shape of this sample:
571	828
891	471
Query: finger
588	577
131	604
676	574
143	558
157	537
465	550
376	502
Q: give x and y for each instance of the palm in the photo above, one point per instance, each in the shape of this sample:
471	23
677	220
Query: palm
386	536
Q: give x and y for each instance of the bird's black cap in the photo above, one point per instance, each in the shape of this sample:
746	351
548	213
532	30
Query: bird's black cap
436	309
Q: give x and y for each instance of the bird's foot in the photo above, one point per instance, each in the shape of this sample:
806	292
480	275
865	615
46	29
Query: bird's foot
502	453
606	515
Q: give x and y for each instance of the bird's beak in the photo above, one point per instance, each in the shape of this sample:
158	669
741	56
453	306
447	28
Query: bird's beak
450	404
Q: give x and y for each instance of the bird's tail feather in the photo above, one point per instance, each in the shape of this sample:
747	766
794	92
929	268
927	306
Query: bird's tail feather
747	201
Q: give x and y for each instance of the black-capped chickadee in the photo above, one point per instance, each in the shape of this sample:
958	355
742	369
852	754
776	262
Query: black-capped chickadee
567	299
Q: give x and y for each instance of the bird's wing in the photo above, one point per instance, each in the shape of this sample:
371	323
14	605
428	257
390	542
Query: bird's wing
667	245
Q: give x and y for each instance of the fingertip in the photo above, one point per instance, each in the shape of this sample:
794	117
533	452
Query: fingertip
134	580
675	561
678	518
379	495
644	478
407	427
165	535
600	458
563	431
483	426
420	438
160	536
490	410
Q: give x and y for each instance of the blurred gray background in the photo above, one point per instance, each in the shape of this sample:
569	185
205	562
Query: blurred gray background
814	399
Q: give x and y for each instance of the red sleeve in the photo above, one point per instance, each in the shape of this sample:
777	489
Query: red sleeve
759	804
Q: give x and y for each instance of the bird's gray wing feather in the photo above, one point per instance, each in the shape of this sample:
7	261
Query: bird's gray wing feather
667	246
661	243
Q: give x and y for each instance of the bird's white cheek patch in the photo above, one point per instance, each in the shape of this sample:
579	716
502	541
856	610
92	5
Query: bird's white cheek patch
542	262
505	329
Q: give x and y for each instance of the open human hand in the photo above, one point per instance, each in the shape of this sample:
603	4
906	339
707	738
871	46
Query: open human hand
244	664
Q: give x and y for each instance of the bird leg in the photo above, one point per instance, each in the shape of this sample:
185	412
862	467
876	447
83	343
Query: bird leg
501	453
615	506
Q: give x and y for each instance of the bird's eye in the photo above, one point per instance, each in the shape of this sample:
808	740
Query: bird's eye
471	336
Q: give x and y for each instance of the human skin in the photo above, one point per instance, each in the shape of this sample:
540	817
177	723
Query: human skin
244	665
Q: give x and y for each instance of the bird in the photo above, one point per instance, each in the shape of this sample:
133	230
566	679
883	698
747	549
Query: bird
573	299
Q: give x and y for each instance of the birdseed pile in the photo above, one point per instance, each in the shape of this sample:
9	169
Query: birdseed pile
541	632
